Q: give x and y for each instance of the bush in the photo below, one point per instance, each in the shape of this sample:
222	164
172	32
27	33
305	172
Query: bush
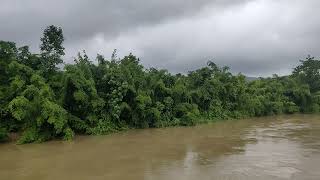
3	134
291	107
68	134
189	119
104	126
29	135
187	113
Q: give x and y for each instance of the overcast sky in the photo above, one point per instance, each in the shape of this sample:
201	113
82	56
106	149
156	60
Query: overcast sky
255	37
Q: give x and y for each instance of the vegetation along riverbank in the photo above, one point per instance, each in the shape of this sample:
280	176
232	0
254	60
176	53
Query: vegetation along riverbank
40	101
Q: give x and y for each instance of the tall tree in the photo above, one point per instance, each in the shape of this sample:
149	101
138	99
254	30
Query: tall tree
309	72
51	47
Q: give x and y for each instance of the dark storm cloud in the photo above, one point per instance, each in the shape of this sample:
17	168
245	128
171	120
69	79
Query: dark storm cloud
256	37
81	19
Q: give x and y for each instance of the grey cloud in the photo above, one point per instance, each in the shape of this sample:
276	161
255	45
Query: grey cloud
255	37
82	19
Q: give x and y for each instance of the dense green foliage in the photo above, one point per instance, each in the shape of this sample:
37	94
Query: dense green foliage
40	101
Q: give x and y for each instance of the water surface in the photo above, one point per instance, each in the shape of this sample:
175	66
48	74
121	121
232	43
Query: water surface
282	147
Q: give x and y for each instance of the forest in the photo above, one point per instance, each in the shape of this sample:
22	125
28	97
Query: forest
43	98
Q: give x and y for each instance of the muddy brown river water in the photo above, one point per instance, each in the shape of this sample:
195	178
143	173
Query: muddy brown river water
282	147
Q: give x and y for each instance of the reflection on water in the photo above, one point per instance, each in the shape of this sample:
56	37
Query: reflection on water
285	147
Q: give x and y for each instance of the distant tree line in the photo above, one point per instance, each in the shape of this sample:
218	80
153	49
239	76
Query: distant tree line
39	101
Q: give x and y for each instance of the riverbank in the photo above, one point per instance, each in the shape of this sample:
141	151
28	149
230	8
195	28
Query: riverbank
14	137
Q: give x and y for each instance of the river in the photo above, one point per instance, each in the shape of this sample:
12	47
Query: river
280	147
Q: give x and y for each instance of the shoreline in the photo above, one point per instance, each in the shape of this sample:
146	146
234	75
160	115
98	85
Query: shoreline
14	136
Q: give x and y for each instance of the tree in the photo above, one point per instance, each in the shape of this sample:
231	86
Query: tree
309	72
34	107
51	48
80	96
